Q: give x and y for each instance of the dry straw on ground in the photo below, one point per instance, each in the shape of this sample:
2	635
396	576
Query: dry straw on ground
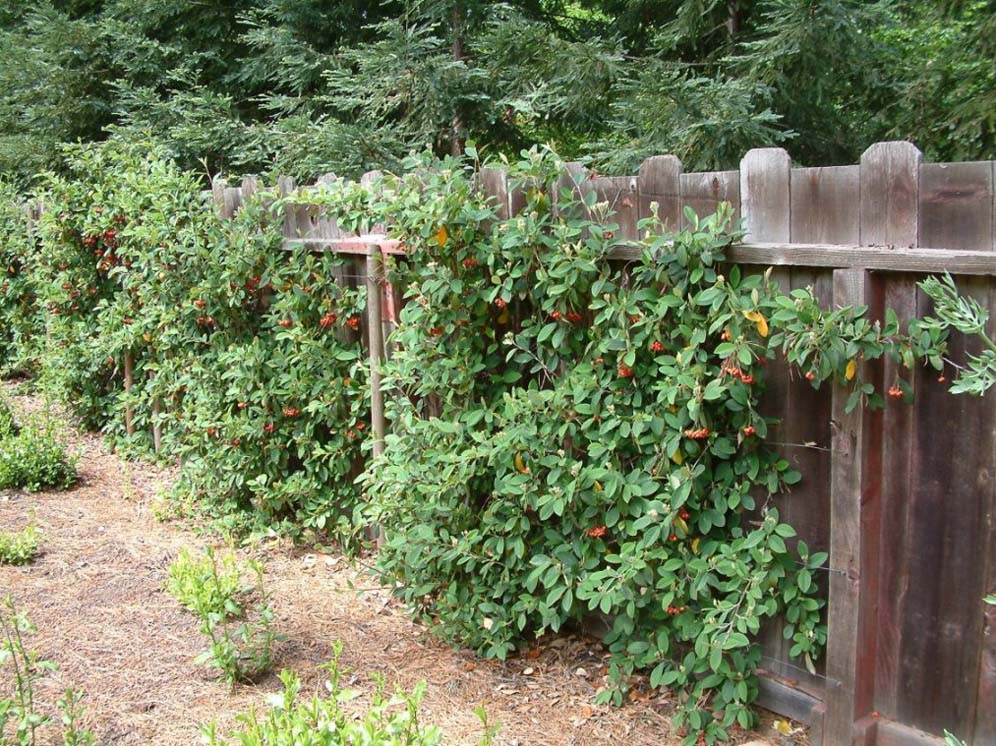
96	595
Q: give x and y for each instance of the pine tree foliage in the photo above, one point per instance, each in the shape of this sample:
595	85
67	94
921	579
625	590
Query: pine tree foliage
310	86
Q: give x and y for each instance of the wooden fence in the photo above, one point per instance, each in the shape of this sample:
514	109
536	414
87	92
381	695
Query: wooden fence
902	499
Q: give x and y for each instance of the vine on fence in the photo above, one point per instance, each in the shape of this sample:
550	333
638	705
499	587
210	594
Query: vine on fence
248	354
570	434
574	435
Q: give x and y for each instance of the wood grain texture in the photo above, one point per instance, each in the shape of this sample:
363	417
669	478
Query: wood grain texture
956	205
660	182
494	184
804	414
854	505
891	733
949	495
705	190
895	444
765	194
826	205
890	178
619	195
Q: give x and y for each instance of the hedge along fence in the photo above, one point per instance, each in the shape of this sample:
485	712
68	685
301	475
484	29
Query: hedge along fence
901	498
845	696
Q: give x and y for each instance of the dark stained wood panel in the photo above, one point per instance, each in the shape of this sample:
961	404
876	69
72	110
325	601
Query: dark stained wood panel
956	205
825	205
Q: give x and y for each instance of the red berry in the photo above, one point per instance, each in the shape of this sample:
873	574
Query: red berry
353	322
286	323
437	331
625	372
810	376
574	317
555	315
657	346
269	427
471	262
291	412
749	430
500	303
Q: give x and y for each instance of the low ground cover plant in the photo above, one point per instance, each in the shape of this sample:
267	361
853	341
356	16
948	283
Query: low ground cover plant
19	547
323	720
235	612
20	669
207	584
8	426
35	459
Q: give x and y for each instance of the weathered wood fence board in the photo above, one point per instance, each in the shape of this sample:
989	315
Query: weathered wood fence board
903	499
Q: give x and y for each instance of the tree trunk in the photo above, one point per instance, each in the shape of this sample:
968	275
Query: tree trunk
733	17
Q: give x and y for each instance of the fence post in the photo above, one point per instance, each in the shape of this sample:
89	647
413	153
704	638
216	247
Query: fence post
129	377
375	337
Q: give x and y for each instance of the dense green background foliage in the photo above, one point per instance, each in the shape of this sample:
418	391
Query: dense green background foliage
310	86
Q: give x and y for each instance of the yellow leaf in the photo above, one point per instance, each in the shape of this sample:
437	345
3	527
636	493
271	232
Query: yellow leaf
677	457
852	368
695	545
504	316
783	727
442	236
598	486
680	523
520	465
758	318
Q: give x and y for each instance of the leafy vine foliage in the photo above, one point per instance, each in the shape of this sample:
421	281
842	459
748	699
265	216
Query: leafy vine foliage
575	435
570	434
245	356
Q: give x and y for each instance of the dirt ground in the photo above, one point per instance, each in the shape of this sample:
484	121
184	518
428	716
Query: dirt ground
96	595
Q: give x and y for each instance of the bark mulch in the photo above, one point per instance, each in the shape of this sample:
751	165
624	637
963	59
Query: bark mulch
97	595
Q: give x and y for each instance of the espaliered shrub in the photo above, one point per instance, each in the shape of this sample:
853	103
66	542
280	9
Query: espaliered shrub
17	316
249	353
572	434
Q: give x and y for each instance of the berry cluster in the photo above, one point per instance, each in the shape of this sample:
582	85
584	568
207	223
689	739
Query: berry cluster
697	433
596	532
